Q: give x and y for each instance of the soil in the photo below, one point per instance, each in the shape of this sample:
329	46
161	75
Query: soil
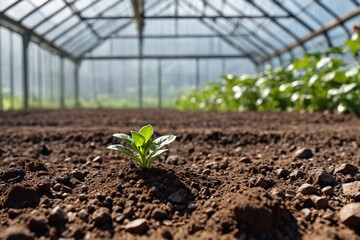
228	175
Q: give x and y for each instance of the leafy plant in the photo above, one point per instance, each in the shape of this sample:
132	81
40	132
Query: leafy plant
142	149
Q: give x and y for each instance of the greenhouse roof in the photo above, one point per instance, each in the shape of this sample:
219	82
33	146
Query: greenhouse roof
255	29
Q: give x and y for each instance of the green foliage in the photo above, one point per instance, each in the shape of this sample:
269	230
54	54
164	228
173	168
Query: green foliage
316	82
142	149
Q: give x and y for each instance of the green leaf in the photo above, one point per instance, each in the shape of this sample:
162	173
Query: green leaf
122	149
147	132
157	153
124	137
164	140
138	139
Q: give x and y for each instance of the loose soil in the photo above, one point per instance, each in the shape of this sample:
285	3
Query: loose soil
228	176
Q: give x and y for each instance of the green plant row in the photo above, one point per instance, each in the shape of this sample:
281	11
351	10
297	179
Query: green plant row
316	82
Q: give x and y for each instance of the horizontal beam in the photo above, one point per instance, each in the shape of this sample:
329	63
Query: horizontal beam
21	29
161	57
312	35
185	17
162	36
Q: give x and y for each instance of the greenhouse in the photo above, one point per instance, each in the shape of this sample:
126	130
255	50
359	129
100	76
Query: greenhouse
179	119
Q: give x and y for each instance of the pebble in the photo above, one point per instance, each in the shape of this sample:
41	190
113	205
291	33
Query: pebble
101	216
261	182
307	213
83	214
17	233
192	206
98	159
172	160
350	215
279	193
38	225
179	196
282	173
322	177
307	189
136	226
245	160
346	168
320	202
159	214
57	216
328	191
303	153
351	189
297	174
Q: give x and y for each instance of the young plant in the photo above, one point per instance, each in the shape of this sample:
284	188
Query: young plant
142	149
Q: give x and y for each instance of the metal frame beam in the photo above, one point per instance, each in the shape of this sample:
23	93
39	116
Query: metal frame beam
1	79
222	36
314	34
119	29
186	17
35	37
171	36
25	65
162	57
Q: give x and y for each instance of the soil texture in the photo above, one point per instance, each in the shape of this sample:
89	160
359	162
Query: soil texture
228	175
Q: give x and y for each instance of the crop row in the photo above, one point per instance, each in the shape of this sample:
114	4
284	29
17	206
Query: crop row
319	81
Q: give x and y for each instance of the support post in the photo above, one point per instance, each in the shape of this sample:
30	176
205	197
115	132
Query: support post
197	83
11	70
1	85
140	72
76	87
26	41
62	82
40	84
159	84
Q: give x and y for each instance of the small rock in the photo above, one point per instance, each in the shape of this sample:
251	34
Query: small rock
282	173
303	153
245	160
297	174
351	189
79	175
172	160
98	159
38	225
159	214
45	150
307	189
346	168
322	177
136	226
12	173
179	196
18	233
71	216
192	206
57	187
261	182
350	215
57	216
328	191
307	213
279	193
101	216
320	202
83	214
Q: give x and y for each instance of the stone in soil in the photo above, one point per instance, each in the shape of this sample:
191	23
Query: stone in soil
346	168
57	216
320	202
18	233
328	191
307	189
38	225
322	177
351	189
137	226
303	153
102	217
12	174
350	215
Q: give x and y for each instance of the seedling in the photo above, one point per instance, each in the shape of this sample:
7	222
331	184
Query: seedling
142	149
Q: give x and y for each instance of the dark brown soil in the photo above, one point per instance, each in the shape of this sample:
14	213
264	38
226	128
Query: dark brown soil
228	176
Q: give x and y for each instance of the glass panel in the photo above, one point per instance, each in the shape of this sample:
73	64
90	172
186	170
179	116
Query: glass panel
20	10
6	3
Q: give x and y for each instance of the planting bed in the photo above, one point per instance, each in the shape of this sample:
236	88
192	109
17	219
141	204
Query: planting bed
227	176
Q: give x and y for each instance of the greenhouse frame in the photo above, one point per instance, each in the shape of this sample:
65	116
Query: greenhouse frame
137	53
